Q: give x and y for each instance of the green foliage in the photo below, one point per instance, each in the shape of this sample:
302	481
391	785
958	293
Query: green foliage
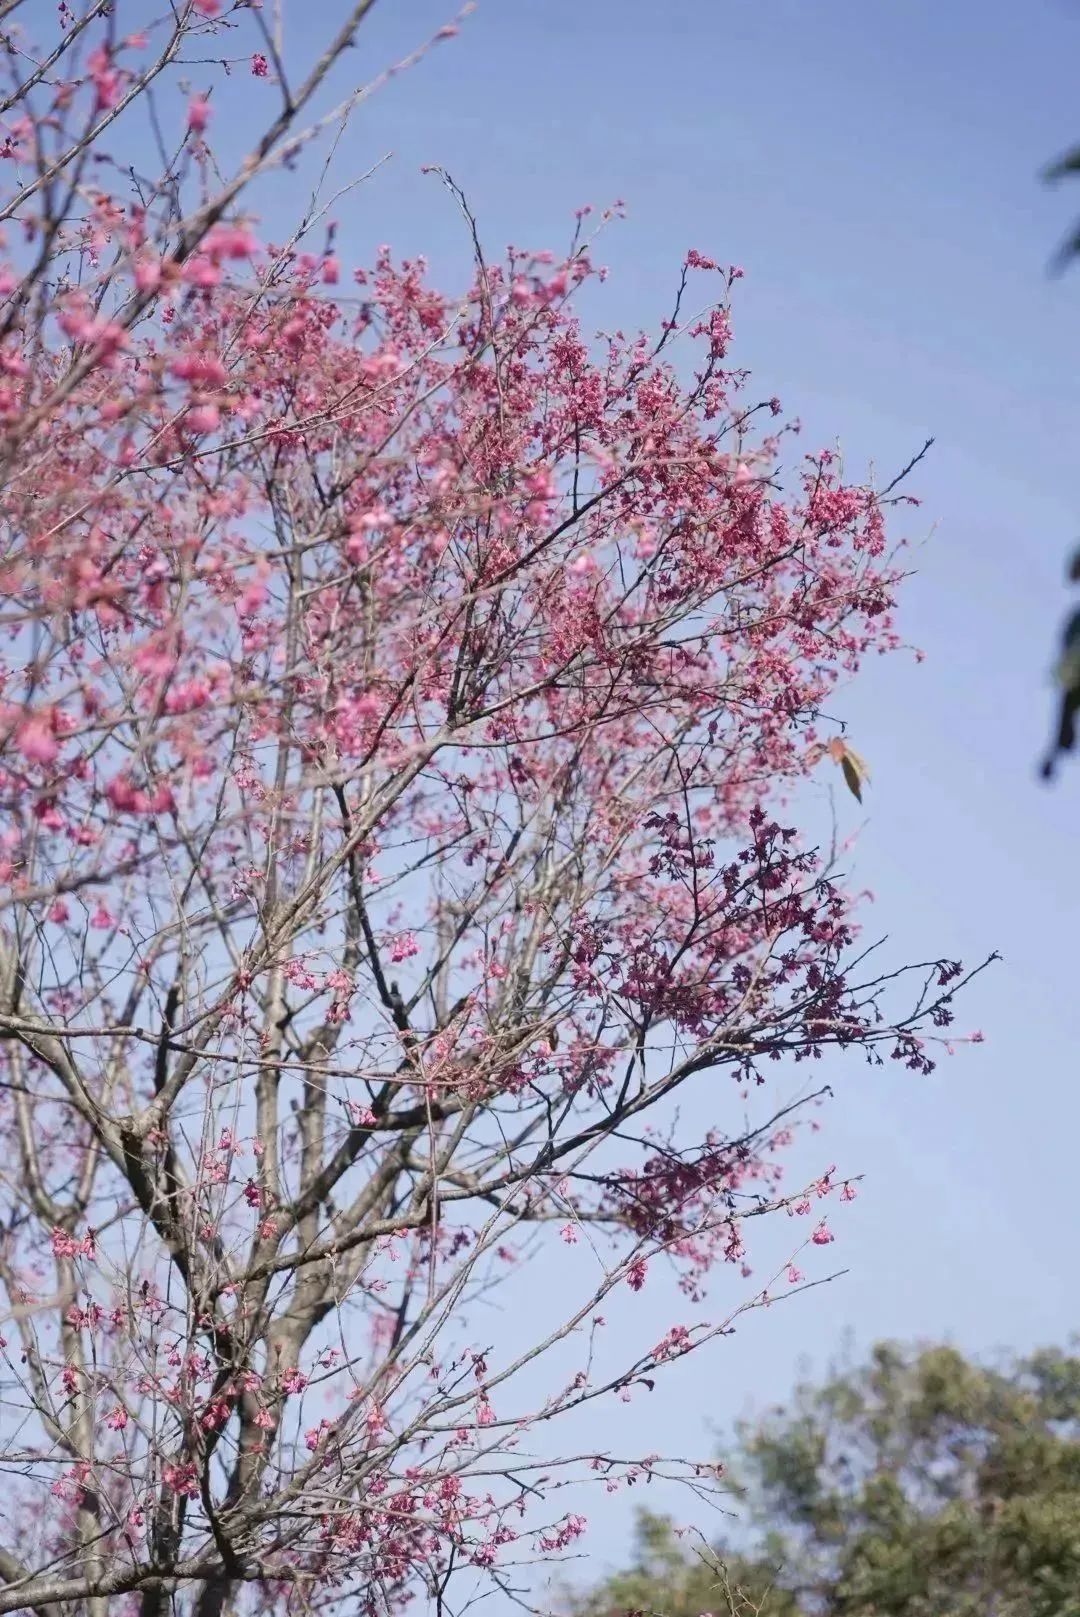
681	1577
1066	167
917	1485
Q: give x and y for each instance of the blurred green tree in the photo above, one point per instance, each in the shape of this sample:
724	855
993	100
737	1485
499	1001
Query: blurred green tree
920	1484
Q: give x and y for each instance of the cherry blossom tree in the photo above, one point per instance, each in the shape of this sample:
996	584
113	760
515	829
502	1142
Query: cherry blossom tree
400	694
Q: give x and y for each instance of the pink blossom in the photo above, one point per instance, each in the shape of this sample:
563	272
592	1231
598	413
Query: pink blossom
48	815
230	241
37	741
315	1434
180	1477
204	417
676	1341
104	77
198	113
201	270
187	695
64	1245
203	368
252	597
215	1415
570	1529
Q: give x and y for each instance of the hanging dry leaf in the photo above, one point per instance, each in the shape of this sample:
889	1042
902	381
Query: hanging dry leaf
852	767
851	775
855	772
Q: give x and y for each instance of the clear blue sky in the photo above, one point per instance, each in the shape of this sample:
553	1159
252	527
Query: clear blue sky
874	169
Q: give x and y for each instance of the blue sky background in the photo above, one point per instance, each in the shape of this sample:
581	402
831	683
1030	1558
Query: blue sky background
874	167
